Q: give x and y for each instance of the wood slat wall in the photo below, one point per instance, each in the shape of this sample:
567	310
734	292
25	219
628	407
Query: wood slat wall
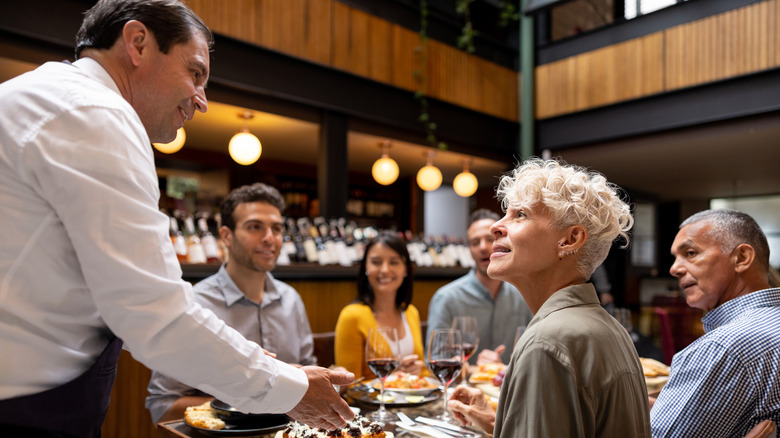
331	33
737	42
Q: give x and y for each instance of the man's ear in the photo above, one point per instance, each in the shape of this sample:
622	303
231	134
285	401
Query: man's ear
136	40
225	234
743	256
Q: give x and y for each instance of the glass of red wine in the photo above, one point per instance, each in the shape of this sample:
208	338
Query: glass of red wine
445	358
468	334
382	357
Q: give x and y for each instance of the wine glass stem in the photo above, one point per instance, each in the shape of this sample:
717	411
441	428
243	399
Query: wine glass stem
381	396
444	397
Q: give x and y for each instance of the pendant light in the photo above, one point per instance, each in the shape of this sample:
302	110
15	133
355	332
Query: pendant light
175	145
429	176
244	147
465	184
385	169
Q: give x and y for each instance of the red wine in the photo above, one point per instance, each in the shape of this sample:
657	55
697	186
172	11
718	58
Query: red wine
468	350
382	367
445	369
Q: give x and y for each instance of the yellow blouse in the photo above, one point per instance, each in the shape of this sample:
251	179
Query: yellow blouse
352	331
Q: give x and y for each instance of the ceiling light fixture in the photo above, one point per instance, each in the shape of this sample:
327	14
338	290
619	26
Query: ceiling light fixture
244	147
465	184
385	169
429	176
175	145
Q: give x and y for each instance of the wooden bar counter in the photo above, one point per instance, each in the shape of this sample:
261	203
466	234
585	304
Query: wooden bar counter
325	290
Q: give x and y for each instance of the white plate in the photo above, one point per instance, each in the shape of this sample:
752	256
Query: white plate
418	391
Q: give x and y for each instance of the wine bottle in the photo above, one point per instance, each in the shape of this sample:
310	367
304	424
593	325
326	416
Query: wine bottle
195	252
209	242
179	242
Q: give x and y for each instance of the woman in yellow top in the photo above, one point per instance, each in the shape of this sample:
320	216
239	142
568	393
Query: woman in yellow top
383	300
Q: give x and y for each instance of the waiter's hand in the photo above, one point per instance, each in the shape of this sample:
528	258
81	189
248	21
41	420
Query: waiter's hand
469	406
490	356
322	406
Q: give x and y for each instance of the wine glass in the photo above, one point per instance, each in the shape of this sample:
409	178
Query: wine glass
382	357
445	358
468	333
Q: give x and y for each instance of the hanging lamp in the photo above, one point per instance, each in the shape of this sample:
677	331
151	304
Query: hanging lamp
465	183
429	176
385	169
175	145
244	147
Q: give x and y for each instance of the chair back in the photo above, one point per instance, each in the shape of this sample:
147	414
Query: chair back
764	429
667	342
324	344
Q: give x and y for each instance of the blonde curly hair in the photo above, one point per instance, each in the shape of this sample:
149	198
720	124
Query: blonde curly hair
573	196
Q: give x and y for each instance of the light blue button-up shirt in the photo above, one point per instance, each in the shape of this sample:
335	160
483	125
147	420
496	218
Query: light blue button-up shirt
727	381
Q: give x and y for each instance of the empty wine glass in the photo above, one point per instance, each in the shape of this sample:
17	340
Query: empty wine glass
445	358
468	334
382	357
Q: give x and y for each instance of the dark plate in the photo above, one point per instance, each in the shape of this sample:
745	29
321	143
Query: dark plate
366	395
238	423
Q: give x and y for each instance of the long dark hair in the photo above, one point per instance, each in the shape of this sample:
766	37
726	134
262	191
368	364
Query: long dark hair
365	293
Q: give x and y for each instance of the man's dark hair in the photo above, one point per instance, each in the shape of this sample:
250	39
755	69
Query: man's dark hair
257	192
483	213
403	296
170	21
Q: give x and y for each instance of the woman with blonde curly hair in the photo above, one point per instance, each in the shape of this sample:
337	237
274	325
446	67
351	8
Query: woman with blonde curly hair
575	371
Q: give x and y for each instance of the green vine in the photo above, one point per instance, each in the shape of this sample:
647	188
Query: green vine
466	38
509	13
419	75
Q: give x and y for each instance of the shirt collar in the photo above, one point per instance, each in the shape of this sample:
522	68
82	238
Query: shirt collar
732	309
97	72
233	294
570	296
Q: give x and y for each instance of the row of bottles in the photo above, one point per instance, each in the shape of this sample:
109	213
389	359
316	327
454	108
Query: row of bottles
342	242
311	240
195	246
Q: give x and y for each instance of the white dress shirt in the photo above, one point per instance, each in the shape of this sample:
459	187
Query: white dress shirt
85	250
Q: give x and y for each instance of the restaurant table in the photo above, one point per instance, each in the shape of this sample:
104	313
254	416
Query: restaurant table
179	429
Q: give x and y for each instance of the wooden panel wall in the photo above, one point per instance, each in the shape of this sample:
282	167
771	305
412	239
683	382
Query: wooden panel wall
325	299
331	33
734	43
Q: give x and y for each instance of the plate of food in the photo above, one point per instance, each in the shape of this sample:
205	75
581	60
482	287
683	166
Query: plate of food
359	427
409	384
220	419
656	374
367	395
488	373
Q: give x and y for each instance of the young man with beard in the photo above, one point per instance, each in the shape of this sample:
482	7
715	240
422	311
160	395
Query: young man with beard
245	295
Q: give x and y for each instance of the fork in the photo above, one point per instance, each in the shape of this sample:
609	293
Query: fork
410	425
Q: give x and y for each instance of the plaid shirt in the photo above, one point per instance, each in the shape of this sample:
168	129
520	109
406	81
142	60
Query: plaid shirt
725	382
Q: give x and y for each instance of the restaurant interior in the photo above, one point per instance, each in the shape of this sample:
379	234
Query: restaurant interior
677	102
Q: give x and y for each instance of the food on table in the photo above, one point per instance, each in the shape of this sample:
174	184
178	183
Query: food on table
414	398
492	401
359	427
653	368
387	398
402	380
203	416
487	372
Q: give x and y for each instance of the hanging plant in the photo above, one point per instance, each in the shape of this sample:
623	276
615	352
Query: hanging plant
420	77
509	13
466	38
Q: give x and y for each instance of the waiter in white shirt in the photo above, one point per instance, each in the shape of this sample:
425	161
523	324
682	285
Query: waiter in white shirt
85	258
